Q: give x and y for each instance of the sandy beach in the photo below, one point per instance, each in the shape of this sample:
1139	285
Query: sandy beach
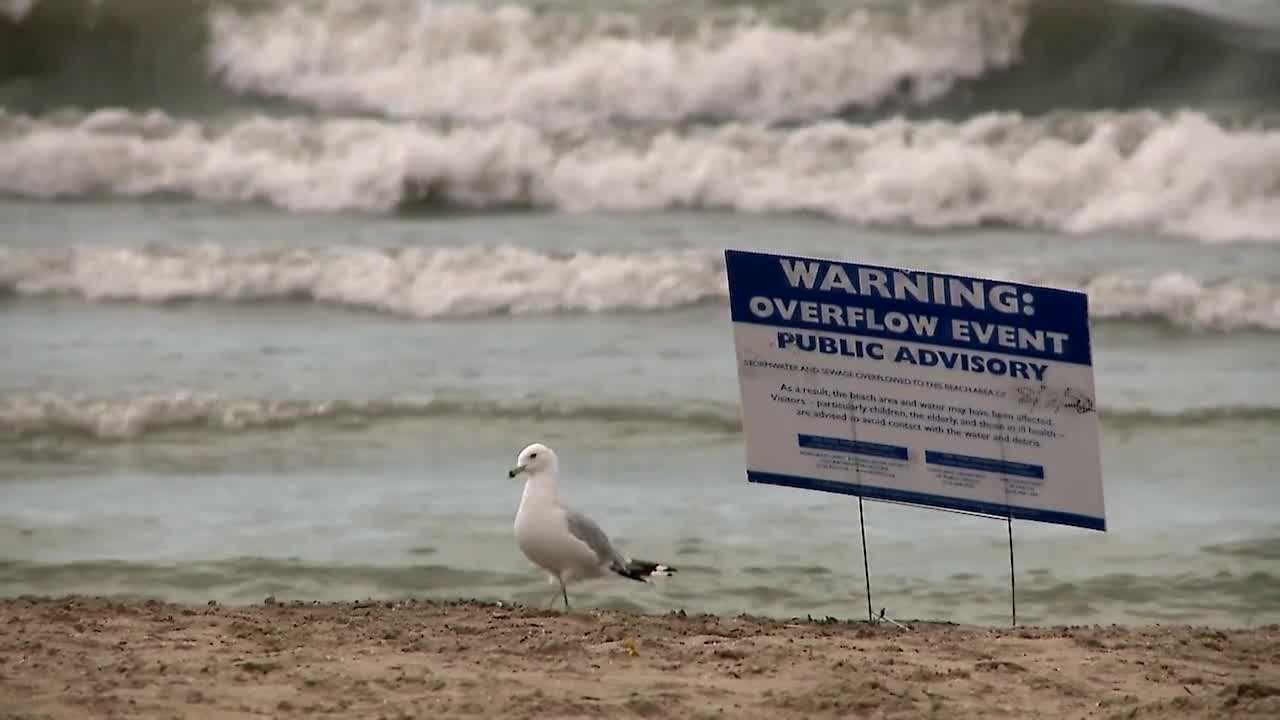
83	657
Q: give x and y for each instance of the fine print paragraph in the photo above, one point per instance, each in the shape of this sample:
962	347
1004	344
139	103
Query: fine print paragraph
947	419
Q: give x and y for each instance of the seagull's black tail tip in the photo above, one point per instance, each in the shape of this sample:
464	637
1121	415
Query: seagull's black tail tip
641	570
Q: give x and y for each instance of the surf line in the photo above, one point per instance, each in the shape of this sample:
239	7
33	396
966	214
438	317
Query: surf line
924	357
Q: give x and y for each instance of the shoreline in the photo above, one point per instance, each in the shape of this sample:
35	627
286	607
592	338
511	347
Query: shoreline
80	656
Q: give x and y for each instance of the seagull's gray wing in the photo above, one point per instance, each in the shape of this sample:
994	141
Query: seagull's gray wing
586	530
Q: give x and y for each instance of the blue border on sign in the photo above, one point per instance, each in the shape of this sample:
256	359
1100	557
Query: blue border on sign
872	492
754	274
991	465
853	447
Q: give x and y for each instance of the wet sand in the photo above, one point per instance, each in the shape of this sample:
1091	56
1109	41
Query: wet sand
92	658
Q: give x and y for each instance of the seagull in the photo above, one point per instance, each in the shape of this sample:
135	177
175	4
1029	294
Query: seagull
566	544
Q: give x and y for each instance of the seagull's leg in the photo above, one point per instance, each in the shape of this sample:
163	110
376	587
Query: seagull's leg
565	593
551	601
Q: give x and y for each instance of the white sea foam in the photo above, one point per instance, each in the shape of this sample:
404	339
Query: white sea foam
1076	173
1186	302
425	283
427	59
458	282
134	417
131	417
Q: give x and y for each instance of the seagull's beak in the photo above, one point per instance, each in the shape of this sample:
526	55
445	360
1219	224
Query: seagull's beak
515	471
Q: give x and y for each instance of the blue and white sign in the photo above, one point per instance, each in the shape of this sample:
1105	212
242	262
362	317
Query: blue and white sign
916	387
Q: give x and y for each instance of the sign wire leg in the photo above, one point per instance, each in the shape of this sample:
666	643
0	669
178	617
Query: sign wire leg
1013	586
866	565
862	523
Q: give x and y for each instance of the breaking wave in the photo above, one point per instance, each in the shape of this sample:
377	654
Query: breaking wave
476	63
653	61
55	415
1180	174
50	415
445	282
415	282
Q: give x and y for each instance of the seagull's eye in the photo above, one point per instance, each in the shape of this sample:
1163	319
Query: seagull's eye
533	455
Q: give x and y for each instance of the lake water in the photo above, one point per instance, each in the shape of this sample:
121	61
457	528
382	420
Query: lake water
278	313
